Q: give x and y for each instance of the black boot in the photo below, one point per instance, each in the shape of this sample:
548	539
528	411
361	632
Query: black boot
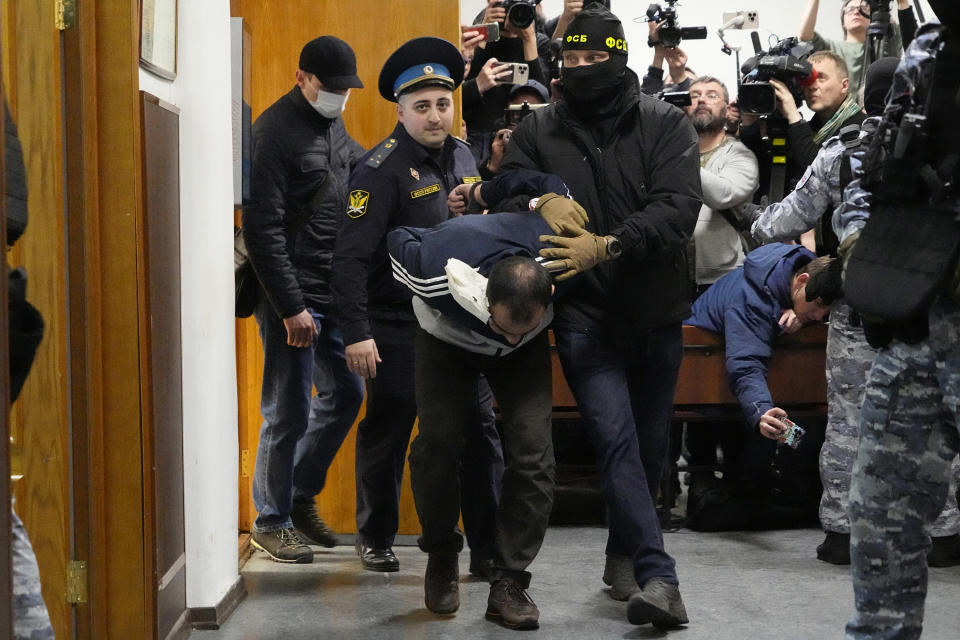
945	552
308	522
441	582
510	605
835	548
658	602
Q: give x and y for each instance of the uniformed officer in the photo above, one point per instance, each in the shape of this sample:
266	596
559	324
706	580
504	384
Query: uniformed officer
902	276
403	181
849	356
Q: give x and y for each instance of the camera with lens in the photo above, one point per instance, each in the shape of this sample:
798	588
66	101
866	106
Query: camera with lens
520	13
671	33
514	113
679	99
785	61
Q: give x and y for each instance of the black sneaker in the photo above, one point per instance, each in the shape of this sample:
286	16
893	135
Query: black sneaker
282	545
441	583
658	602
835	548
618	574
945	552
308	522
510	605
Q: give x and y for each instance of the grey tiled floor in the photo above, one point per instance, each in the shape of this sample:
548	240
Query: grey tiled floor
756	586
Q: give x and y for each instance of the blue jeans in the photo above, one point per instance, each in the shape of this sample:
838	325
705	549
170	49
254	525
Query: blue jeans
625	397
301	432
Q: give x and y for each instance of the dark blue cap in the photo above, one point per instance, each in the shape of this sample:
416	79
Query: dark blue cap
419	63
532	85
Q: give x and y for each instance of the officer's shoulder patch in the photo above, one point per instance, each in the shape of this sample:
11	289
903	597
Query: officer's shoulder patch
803	180
357	204
380	153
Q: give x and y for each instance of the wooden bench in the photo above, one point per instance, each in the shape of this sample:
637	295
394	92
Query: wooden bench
796	376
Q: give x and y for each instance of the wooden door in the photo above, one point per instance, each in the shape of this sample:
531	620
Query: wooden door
39	429
162	370
374	29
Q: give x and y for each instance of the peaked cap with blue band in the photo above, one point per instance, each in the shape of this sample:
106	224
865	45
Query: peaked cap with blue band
418	63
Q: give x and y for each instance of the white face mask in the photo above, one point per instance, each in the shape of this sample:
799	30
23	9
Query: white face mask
330	105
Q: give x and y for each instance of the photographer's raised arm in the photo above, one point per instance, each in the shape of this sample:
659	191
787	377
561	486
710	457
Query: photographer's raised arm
808	21
677	63
908	22
652	82
570	10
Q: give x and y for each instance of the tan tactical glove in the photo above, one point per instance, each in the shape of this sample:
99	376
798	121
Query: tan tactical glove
573	254
559	211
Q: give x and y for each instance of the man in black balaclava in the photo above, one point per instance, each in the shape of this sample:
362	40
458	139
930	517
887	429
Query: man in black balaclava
633	163
902	278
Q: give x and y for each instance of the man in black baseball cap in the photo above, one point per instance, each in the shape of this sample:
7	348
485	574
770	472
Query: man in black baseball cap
404	181
332	61
302	156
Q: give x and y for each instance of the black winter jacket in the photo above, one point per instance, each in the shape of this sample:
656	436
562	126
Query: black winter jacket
641	185
291	160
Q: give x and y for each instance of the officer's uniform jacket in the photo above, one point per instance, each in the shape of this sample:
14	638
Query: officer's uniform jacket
818	191
398	183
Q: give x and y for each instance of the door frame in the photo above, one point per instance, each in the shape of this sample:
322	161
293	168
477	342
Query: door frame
6	522
104	185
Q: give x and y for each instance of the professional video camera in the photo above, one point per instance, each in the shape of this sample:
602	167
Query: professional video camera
671	33
520	13
785	61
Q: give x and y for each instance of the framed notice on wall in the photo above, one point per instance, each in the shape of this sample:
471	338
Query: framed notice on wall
158	37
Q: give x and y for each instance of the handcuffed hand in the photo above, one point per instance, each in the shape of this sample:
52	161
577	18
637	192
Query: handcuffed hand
579	251
561	213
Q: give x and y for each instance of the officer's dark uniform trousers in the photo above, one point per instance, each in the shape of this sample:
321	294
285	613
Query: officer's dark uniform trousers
404	185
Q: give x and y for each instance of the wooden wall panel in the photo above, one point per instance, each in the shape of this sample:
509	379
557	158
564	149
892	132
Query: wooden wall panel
374	28
39	420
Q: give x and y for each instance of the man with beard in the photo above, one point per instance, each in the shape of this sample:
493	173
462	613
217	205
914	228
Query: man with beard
728	175
631	161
